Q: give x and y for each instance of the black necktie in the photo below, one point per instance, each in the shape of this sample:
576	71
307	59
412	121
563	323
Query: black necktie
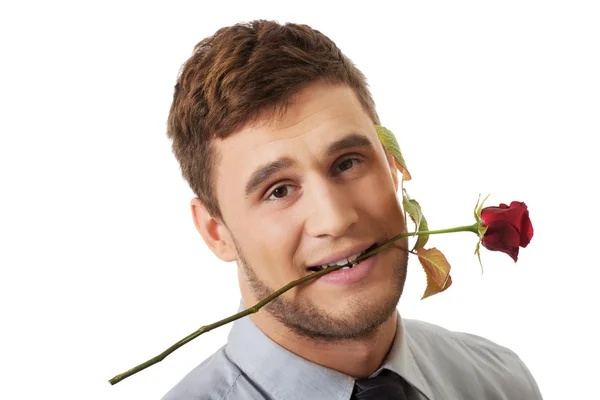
385	386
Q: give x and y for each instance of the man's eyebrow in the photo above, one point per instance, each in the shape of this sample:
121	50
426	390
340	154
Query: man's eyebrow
265	172
347	142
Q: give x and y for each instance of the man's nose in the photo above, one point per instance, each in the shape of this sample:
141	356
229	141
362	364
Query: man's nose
331	211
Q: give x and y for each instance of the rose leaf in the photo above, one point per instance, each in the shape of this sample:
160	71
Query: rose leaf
388	140
437	270
413	208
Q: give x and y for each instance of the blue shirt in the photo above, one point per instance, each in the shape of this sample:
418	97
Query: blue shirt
439	365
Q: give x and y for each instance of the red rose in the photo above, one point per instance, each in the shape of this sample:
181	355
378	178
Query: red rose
508	227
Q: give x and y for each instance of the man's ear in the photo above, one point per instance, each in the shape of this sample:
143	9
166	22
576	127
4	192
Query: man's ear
214	232
392	163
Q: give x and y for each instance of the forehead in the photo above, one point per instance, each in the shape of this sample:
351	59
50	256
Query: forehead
314	116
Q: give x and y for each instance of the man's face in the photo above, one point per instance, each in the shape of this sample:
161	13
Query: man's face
313	185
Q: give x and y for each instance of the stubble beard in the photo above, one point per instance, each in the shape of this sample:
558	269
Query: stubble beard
305	319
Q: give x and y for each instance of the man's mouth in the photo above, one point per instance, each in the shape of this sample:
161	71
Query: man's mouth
348	263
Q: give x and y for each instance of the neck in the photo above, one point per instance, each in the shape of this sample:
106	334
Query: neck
358	358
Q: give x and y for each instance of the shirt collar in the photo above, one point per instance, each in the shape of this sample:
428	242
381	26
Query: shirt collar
401	360
262	359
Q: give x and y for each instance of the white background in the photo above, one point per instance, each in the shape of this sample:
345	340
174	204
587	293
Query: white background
101	267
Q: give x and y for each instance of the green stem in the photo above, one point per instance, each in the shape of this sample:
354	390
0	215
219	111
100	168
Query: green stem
268	299
465	228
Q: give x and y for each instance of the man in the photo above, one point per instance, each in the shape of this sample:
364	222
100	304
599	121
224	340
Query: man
274	130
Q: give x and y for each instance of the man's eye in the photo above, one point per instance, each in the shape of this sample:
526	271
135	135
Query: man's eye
279	192
347	164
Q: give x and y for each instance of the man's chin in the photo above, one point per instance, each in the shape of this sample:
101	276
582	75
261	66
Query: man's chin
352	321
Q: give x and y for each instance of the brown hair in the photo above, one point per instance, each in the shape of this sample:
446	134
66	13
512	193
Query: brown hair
236	75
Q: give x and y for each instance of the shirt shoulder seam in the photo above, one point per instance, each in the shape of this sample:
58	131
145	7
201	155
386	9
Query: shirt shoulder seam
492	346
459	337
232	385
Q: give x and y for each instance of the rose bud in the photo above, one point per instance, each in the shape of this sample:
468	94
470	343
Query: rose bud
508	227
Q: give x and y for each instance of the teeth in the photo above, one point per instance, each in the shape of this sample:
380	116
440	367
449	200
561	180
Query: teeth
347	263
344	261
